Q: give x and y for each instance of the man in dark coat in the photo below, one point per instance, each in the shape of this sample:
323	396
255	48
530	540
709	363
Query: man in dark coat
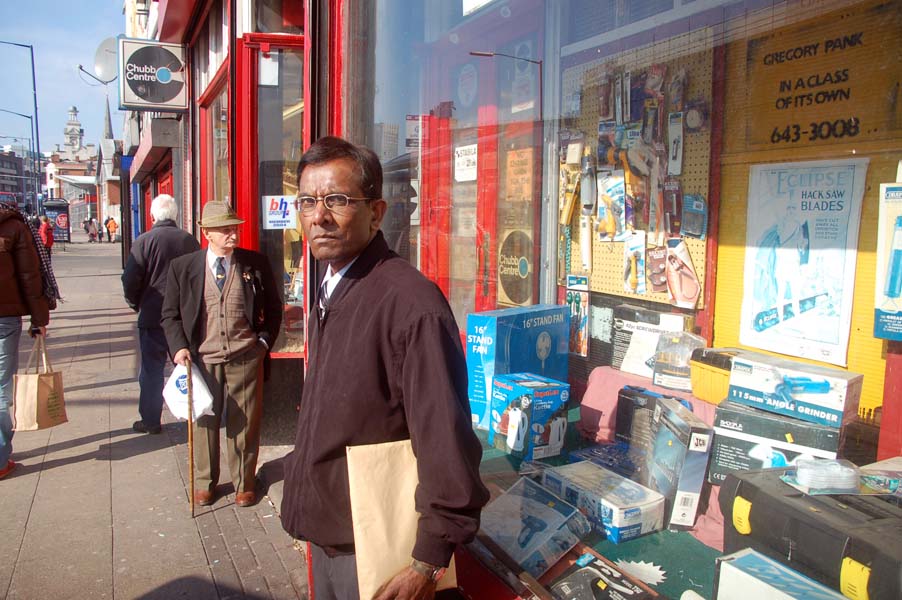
223	310
144	284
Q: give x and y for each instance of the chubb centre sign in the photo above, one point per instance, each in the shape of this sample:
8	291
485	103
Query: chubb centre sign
152	76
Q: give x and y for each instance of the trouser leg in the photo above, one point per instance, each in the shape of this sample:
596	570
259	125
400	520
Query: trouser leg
244	409
334	578
153	359
206	430
10	332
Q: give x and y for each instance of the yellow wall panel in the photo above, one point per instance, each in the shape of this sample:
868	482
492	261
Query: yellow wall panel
866	353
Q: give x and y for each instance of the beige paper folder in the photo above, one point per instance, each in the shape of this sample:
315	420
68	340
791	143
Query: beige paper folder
383	481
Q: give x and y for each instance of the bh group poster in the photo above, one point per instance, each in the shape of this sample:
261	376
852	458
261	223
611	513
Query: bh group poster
801	246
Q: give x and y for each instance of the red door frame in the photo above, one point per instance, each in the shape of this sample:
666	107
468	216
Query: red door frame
246	154
217	85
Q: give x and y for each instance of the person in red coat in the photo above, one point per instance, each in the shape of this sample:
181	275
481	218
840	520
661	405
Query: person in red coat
46	231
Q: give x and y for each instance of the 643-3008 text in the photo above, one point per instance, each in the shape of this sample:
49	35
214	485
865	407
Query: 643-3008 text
816	131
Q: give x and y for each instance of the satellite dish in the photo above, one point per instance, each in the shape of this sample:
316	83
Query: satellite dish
105	60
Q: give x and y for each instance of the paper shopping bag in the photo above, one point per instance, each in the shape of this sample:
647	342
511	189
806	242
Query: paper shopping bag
39	395
175	393
383	480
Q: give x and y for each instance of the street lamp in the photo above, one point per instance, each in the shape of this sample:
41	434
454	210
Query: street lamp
30	151
37	132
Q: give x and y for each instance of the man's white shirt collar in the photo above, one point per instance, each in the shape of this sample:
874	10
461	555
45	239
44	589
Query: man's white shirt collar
332	279
211	262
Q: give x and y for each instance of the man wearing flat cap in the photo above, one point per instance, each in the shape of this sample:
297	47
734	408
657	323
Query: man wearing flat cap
223	309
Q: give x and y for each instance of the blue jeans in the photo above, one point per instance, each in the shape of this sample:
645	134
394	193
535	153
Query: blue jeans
154	354
10	332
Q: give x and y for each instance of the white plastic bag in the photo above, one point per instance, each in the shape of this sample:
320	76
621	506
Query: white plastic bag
176	393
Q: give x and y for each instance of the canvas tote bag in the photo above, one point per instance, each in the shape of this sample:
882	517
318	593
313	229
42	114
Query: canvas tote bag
39	395
383	480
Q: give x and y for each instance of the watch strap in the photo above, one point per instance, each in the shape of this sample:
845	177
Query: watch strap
431	572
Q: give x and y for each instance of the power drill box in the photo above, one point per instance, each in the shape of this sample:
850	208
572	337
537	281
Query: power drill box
808	392
527	339
528	415
750	438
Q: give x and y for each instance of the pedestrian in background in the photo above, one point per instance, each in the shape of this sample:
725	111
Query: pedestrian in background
98	231
223	309
22	293
46	231
144	286
111	228
92	230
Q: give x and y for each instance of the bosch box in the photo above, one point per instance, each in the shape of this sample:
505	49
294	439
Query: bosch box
748	438
809	392
532	525
616	506
529	415
533	339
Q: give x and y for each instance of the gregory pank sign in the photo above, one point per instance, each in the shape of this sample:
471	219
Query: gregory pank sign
152	76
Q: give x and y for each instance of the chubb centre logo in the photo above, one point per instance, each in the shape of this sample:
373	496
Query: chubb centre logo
152	75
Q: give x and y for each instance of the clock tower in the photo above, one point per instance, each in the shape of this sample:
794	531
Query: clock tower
73	133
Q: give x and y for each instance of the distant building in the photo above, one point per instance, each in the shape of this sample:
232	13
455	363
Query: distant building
12	176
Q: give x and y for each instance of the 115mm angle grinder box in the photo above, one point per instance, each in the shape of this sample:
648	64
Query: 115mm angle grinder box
527	339
808	392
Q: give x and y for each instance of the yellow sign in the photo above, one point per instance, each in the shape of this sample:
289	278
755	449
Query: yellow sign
829	80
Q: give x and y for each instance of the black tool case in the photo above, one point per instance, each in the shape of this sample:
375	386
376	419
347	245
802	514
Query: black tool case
850	543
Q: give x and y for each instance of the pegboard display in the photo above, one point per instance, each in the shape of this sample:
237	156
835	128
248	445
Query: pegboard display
599	107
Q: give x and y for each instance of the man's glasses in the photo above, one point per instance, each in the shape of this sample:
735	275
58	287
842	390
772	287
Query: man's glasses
334	202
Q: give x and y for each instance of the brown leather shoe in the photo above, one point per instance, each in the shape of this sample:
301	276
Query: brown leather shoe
203	497
245	499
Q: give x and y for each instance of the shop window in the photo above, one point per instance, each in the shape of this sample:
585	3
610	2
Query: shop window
280	118
211	46
279	16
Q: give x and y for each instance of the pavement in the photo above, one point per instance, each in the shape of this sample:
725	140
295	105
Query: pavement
95	510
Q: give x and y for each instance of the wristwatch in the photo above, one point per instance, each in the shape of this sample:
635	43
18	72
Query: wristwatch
430	572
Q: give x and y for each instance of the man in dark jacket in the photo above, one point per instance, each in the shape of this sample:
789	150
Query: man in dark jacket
223	310
21	293
144	284
385	364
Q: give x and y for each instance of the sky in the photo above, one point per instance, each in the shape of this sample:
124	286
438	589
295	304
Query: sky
64	34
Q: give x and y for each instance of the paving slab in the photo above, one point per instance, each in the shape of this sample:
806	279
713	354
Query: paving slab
97	511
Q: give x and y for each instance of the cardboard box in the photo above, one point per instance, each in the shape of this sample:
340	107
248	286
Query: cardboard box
678	463
749	574
529	415
808	392
616	506
533	526
636	332
532	339
749	438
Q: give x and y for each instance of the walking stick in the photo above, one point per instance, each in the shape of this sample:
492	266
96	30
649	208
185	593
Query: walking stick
190	436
